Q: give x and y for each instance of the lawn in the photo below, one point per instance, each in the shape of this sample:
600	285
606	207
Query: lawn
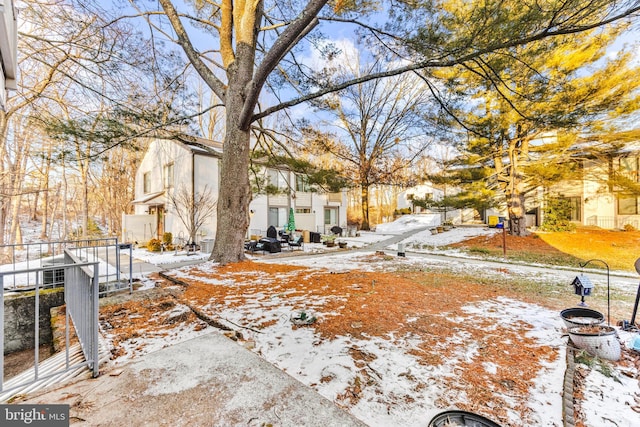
394	340
619	249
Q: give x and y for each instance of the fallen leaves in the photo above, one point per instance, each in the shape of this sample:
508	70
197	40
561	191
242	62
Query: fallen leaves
423	305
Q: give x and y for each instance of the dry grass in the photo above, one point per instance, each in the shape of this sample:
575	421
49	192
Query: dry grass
619	249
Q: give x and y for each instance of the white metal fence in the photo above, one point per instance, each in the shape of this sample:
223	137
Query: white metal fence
114	270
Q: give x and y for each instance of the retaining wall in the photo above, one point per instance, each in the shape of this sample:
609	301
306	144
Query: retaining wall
19	318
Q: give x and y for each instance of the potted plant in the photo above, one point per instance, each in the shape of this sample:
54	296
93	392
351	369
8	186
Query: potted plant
342	244
329	240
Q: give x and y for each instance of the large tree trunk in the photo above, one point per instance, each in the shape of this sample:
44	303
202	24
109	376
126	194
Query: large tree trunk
518	151
233	200
517	219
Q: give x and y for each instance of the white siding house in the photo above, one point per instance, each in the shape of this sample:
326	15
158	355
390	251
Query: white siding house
422	191
428	191
170	165
596	200
8	49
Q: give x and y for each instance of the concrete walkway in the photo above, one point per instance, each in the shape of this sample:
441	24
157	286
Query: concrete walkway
207	381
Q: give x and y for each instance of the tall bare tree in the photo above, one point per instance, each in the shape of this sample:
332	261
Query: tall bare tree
380	127
92	85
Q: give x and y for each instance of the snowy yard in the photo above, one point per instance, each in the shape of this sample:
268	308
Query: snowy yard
395	340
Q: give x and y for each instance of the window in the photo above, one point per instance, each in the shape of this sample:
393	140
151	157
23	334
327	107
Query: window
302	184
146	182
277	179
167	175
278	217
628	168
627	205
569	208
575	208
303	210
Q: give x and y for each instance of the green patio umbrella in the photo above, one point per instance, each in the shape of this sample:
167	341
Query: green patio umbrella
291	225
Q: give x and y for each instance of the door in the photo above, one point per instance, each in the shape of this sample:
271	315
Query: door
158	211
330	218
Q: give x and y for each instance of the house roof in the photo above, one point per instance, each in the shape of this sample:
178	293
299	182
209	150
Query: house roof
148	199
201	145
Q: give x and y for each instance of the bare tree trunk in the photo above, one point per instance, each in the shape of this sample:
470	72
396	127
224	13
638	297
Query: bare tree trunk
52	209
45	210
16	233
33	207
231	229
4	178
364	203
518	149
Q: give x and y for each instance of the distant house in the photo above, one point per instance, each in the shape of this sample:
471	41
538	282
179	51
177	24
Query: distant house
599	197
427	191
423	192
8	49
194	163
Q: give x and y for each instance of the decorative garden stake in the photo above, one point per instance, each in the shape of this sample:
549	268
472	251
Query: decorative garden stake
584	264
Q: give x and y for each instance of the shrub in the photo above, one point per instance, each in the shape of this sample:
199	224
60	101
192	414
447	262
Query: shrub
403	211
167	238
557	215
93	230
629	227
154	245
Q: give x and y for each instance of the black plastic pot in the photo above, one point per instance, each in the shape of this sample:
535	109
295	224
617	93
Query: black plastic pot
461	418
580	316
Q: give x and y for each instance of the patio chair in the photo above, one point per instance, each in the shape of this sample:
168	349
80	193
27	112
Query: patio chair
297	243
285	238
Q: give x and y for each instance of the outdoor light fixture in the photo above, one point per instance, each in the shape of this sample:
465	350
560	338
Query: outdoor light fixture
583	287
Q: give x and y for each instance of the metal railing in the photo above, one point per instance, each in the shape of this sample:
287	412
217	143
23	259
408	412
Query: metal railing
112	274
610	222
81	297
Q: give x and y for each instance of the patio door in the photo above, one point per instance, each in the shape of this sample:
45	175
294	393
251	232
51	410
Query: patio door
158	211
330	218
